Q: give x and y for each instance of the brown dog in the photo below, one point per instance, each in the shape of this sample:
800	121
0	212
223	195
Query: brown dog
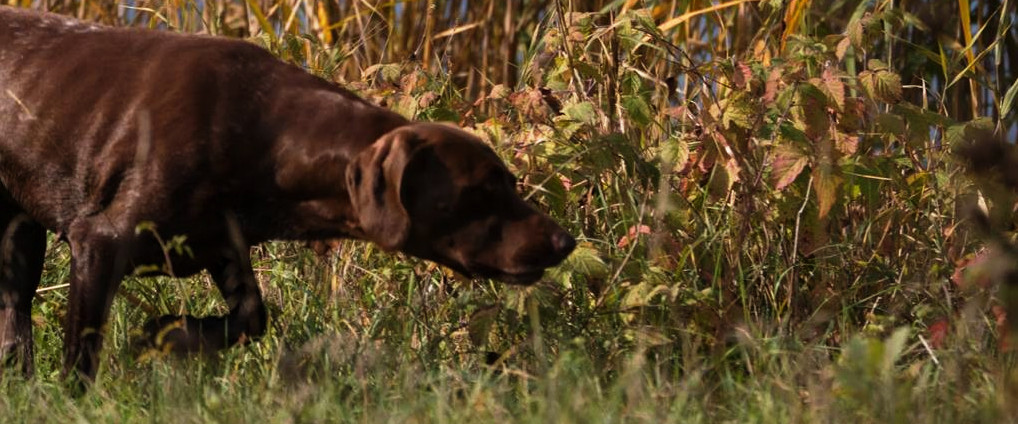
102	129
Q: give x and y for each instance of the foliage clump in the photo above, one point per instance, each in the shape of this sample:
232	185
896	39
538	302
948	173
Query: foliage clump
773	216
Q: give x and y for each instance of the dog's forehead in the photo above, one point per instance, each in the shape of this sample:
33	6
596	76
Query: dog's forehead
464	154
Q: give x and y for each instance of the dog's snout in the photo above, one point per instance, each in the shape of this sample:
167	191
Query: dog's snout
563	243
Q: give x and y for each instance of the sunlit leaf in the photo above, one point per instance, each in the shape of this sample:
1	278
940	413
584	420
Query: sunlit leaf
581	112
825	185
787	163
846	144
675	151
881	85
586	261
1008	101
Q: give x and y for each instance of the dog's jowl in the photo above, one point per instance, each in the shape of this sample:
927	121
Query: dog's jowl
103	129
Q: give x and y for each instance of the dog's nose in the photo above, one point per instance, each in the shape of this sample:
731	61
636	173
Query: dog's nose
563	243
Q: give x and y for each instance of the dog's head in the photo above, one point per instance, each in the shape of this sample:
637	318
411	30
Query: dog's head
439	193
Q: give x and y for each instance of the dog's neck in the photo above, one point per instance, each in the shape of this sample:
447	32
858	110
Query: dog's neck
314	144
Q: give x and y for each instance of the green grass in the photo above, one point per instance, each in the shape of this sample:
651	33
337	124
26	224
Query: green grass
773	225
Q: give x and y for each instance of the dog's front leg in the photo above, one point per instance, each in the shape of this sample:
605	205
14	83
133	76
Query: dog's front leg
98	260
246	321
22	250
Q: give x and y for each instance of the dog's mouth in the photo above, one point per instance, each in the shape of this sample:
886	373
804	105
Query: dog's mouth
520	278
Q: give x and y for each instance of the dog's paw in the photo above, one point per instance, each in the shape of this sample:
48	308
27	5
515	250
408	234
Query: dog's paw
181	335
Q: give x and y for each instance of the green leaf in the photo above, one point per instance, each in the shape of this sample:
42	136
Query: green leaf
581	112
958	134
586	260
876	65
738	110
881	85
637	109
891	123
1008	101
675	151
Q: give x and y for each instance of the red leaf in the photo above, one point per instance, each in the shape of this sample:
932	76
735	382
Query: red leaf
968	271
1000	316
938	333
787	163
633	233
742	75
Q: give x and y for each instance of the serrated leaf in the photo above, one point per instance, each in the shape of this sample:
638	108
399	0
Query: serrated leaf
876	65
406	106
813	108
581	112
675	151
833	87
641	294
842	48
957	134
881	85
637	109
772	85
586	260
846	144
724	177
853	115
388	71
737	110
786	165
855	30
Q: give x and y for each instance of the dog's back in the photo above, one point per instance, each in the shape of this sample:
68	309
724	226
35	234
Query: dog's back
95	114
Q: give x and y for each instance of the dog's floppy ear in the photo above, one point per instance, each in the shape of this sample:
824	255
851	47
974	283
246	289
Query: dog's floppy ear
374	178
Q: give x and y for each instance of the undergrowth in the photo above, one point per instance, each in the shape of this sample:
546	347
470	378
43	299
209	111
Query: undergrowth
771	209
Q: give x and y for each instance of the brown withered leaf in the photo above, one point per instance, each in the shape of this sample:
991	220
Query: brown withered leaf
498	91
530	103
842	48
814	112
852	115
825	184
